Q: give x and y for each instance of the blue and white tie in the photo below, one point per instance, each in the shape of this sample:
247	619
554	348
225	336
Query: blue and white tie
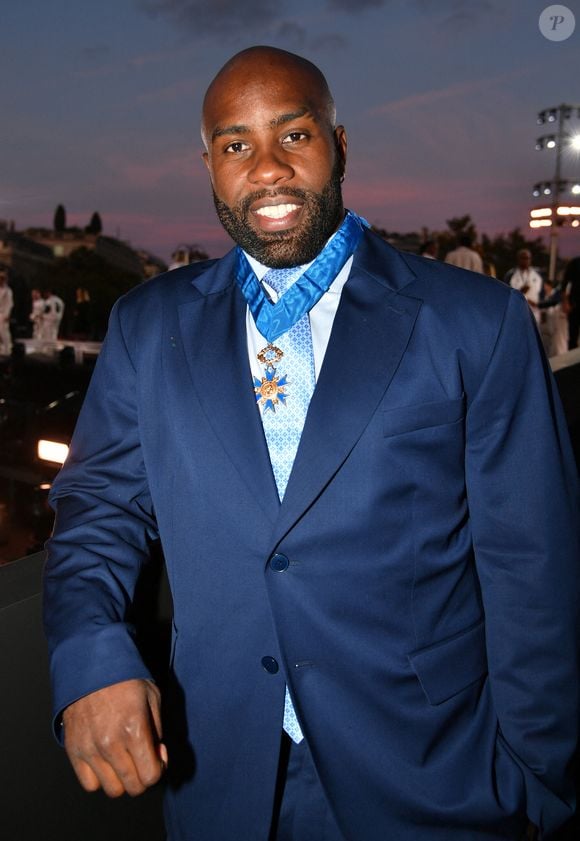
283	428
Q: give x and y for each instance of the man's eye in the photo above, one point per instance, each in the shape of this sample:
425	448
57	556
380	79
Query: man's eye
294	137
237	146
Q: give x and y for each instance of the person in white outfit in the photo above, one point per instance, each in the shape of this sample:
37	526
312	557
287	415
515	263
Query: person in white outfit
465	256
36	313
525	278
6	304
52	316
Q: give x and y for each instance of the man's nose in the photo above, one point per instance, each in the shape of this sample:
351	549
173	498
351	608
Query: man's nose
269	166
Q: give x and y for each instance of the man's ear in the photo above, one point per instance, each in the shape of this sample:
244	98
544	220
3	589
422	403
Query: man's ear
205	157
340	143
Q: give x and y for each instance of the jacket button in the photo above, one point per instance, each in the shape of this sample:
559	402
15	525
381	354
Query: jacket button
279	563
270	665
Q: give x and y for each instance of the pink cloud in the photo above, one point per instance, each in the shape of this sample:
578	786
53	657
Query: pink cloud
184	88
458	89
162	235
148	174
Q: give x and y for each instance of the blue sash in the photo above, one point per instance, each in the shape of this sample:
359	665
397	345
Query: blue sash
272	320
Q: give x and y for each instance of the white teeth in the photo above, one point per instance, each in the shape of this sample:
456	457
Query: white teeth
277	211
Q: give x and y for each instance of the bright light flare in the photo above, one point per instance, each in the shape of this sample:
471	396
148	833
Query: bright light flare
575	142
51	451
540	223
540	212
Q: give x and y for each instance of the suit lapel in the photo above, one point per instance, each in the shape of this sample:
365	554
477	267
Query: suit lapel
371	330
213	329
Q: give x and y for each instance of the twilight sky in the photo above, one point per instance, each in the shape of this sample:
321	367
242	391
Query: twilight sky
100	103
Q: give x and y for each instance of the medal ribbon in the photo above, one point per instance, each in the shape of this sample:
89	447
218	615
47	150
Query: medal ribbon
272	320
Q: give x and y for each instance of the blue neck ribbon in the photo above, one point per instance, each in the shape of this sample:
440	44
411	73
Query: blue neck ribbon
272	320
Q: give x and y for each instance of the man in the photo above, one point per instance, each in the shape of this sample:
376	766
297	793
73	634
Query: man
403	595
551	311
52	316
465	256
527	280
36	313
6	304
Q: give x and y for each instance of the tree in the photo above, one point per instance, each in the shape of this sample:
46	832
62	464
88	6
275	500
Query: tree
459	225
456	227
95	226
60	219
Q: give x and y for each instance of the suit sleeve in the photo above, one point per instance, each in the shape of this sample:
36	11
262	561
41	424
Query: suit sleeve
103	529
523	501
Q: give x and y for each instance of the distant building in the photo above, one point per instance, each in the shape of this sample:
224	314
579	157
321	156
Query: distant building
24	256
62	243
119	254
150	264
186	254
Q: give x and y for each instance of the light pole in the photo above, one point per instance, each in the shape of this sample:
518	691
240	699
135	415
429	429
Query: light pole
555	188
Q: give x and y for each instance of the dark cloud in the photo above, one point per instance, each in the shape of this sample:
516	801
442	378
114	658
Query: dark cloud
214	17
231	18
329	42
465	15
460	14
291	34
96	54
355	6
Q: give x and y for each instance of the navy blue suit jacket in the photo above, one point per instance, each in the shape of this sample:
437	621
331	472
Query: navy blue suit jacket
427	621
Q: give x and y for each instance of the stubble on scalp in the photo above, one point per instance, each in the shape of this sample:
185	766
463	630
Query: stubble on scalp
269	56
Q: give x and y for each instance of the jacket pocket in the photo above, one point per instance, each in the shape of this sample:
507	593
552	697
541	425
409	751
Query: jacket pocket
449	666
422	416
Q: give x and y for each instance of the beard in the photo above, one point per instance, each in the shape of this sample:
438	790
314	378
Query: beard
322	214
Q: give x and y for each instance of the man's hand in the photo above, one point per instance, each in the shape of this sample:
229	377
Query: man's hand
113	738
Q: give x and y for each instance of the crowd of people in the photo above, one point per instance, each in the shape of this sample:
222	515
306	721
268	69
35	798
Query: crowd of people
556	306
46	315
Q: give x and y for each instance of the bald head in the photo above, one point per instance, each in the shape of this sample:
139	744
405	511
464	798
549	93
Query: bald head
257	66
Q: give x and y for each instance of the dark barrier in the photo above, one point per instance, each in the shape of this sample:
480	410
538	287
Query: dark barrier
40	799
566	370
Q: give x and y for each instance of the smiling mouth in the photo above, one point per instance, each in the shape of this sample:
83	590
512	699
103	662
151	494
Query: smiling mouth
276	211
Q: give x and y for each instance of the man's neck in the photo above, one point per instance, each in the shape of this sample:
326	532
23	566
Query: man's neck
260	269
